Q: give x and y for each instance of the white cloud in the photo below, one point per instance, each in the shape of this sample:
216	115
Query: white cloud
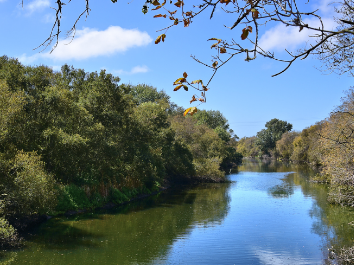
281	37
36	5
325	6
89	43
135	70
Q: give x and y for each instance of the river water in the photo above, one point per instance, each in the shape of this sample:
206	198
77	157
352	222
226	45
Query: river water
269	214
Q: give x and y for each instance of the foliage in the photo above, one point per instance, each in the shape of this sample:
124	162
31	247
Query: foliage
285	146
8	235
73	140
267	138
118	197
306	146
28	187
337	142
248	148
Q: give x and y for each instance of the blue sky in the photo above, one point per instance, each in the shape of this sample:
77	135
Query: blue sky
120	38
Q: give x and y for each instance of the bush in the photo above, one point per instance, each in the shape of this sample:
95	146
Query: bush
29	188
118	197
8	234
72	197
96	200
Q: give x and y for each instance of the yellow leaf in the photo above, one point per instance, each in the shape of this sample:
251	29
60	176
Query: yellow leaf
159	38
219	40
177	87
197	82
179	81
215	64
193	110
186	111
214	45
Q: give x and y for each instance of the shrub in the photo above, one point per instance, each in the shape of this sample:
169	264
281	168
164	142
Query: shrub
8	234
72	197
118	197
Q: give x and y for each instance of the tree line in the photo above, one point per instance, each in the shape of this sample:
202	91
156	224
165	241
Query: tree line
327	145
71	140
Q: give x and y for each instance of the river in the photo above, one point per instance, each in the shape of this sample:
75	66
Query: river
269	214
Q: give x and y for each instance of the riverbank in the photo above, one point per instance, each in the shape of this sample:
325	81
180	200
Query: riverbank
270	213
25	226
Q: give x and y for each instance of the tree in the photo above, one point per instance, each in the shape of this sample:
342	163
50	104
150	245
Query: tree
250	17
267	138
285	146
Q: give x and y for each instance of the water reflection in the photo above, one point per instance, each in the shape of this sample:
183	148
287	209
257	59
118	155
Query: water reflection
133	234
270	214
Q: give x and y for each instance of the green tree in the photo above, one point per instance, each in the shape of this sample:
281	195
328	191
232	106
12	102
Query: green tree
285	146
267	138
248	148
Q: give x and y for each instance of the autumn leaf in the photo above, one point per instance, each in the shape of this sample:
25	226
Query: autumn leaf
179	81
192	100
159	38
219	40
214	45
160	15
186	111
185	75
189	14
177	87
255	13
225	1
179	3
205	88
175	22
172	13
222	50
158	7
245	32
197	82
249	29
185	87
201	99
215	64
155	3
186	22
193	110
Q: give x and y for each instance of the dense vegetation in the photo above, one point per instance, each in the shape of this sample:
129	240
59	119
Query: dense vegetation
327	145
71	140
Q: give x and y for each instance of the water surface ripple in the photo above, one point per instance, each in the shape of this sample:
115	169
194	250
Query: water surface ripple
269	214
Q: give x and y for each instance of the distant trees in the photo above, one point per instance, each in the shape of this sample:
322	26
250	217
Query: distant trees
267	138
285	146
248	148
